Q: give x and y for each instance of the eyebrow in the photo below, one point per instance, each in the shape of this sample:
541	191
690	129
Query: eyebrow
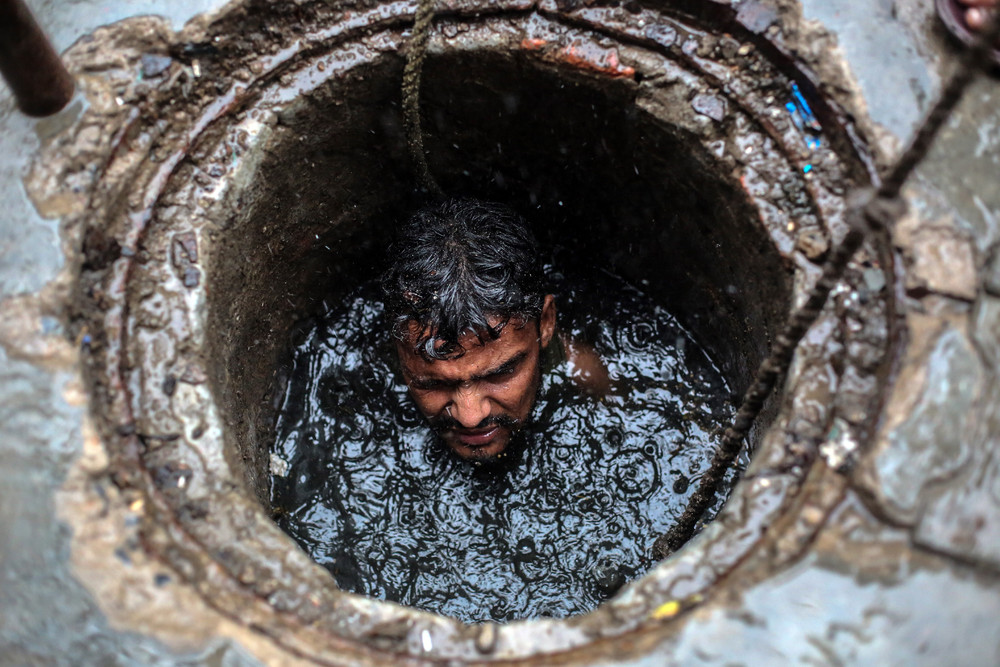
502	369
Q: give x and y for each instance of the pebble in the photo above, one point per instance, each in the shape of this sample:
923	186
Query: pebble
153	65
813	244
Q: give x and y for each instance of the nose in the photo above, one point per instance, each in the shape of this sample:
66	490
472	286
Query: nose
469	406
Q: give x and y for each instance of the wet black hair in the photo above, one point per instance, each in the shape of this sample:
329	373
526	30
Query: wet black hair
455	265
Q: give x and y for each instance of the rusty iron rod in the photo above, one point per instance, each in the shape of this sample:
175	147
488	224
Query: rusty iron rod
875	210
971	61
32	68
770	371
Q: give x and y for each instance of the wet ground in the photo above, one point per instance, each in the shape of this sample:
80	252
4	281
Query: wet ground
904	572
553	530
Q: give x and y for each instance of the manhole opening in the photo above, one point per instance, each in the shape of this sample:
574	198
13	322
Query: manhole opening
614	185
241	198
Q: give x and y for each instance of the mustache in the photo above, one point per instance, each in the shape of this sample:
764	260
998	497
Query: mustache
446	423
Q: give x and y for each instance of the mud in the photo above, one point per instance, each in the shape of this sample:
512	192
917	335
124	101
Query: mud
190	282
178	338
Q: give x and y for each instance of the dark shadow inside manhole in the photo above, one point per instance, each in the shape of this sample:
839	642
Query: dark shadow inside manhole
616	189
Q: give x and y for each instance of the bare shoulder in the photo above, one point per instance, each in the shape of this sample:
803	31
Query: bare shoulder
586	368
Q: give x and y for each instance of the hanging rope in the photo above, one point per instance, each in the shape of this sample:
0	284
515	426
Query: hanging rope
411	95
872	212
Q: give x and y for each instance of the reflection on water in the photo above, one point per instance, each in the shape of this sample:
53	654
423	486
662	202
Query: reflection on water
569	517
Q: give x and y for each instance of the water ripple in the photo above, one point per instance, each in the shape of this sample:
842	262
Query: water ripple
377	501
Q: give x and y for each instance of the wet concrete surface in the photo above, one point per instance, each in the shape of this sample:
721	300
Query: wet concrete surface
890	32
29	245
861	597
905	572
46	616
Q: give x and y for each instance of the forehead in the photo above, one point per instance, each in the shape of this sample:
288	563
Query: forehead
516	337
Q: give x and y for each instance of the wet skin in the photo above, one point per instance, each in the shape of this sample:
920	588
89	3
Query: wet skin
478	401
977	12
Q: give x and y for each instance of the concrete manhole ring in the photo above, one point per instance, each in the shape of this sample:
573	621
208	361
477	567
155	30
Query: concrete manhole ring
197	254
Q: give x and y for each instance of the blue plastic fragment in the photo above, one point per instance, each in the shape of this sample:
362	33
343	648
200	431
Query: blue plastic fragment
806	169
803	107
804	119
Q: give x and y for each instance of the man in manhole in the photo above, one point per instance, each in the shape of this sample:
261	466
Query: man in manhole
574	488
474	327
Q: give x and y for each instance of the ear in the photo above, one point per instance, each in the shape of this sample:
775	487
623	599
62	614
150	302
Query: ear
547	320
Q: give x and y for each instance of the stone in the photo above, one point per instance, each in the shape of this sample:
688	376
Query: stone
663	35
942	262
986	325
863	596
756	16
874	279
964	518
813	244
712	106
930	445
154	65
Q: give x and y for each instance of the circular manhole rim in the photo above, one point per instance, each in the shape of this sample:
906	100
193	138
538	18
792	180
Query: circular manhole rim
644	604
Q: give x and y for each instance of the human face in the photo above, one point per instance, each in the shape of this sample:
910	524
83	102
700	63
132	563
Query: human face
477	401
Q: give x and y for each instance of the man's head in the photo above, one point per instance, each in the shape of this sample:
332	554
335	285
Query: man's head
470	318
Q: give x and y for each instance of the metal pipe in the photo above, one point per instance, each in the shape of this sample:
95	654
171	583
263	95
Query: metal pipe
31	67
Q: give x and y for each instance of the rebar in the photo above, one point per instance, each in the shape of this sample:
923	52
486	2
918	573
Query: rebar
32	68
870	211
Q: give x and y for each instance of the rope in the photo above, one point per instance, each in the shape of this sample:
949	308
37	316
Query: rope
871	212
411	95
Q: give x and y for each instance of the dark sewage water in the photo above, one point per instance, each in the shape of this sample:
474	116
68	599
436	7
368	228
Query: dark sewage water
554	530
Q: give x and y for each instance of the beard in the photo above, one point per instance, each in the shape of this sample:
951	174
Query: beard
484	456
443	424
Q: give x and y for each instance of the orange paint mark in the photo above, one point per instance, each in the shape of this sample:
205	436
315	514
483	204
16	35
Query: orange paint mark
596	59
532	44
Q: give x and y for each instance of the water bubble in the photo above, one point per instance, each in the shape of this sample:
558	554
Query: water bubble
526	548
681	484
375	498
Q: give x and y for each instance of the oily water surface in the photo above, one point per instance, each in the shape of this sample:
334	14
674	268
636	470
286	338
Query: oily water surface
554	529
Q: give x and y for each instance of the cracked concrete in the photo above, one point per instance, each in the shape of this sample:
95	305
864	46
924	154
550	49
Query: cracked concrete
905	571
